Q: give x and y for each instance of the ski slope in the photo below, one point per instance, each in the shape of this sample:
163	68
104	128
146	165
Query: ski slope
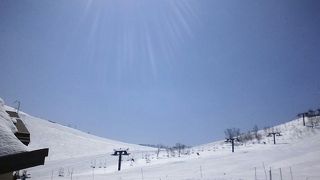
65	142
73	154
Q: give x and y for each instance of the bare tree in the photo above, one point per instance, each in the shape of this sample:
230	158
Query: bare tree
168	151
256	134
255	129
172	152
180	147
311	113
232	132
158	150
245	137
314	121
266	130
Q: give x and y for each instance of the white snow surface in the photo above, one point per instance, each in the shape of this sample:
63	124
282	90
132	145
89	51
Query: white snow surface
9	144
65	142
75	153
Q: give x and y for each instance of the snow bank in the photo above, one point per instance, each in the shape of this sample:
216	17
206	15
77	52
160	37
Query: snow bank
9	143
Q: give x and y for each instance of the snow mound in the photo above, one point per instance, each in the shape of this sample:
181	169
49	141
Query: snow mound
9	143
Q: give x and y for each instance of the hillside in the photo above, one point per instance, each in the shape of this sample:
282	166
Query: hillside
74	154
64	142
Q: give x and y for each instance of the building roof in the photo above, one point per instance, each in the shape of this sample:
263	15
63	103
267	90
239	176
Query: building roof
9	143
22	132
14	136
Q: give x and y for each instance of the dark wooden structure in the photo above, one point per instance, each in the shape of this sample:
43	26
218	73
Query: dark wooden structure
14	162
120	153
23	134
13	114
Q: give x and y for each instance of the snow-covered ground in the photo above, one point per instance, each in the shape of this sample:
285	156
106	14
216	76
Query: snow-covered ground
65	142
75	153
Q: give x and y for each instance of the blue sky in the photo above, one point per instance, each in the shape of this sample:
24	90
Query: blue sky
151	71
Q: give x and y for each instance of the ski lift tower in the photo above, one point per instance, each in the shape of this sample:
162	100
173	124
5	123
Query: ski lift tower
274	134
232	139
120	153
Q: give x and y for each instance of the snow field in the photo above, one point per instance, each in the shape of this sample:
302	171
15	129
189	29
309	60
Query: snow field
297	153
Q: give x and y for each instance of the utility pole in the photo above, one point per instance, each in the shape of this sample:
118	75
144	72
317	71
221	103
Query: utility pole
120	153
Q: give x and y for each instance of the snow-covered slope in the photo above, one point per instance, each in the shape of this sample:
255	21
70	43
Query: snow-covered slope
291	132
297	154
64	142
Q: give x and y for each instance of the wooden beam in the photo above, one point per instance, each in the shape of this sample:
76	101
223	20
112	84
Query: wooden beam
13	114
23	134
14	162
